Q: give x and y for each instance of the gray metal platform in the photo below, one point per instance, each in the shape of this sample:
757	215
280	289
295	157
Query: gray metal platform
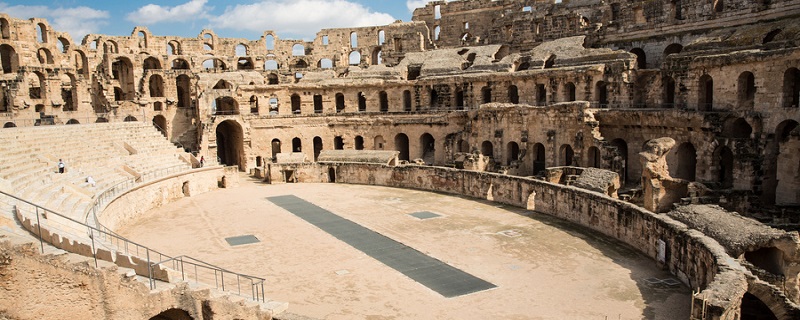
240	240
432	273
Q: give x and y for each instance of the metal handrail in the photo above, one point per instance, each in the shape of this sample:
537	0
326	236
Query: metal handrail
179	264
114	241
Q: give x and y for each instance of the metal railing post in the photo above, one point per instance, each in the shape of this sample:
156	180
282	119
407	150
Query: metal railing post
94	250
150	271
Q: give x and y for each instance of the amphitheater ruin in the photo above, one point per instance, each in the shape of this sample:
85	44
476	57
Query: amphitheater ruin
655	143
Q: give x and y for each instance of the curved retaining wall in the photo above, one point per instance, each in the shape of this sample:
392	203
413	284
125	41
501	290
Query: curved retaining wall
697	260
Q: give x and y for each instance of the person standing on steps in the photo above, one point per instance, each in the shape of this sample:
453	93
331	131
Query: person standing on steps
202	161
61	166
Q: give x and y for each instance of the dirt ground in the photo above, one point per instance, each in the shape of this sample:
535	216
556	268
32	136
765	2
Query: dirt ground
543	268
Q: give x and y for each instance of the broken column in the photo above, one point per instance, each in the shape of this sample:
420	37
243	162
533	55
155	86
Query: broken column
659	188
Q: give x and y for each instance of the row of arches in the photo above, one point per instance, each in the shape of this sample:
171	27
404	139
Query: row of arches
746	90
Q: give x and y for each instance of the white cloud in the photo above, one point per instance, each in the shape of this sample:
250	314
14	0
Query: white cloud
77	21
298	18
153	13
413	4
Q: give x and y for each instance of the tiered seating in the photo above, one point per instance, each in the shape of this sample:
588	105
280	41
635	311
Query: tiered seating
110	153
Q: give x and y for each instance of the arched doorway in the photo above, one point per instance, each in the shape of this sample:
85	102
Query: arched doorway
9	125
512	152
230	149
487	149
539	163
780	188
683	162
593	157
73	121
378	143
297	145
130	119
566	155
754	308
723	163
427	148
161	124
620	164
359	142
276	149
317	147
173	314
705	93
401	144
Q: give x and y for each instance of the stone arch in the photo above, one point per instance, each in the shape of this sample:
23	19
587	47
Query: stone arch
512	152
569	92
173	314
122	70
253	104
269	42
81	62
358	143
180	64
770	36
298	50
9	125
297	145
486	94
353	39
383	99
407	100
41	32
101	120
354	58
641	58
362	102
674	48
339	102
669	92
240	50
401	145
275	145
226	106
296	103
377	56
325	63
160	122
317	142
156	86
151	63
682	162
69	92
754	308
273	79
37	86
513	94
601	93
244	63
222	85
705	93
487	149
5	31
44	56
173	47
8	58
130	119
214	64
427	146
63	45
338	143
737	128
593	158
183	85
622	162
746	90
791	88
539	158
566	155
723	165
270	65
230	144
73	121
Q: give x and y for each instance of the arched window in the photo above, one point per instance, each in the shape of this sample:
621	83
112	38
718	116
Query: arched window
325	64
487	149
62	45
317	103
746	89
355	58
512	152
566	155
156	86
674	48
8	58
362	102
791	88
151	63
41	32
296	104
669	92
601	93
240	50
705	93
436	31
269	42
353	40
298	50
339	102
384	101
569	91
641	58
486	94
253	104
381	37
513	94
270	65
407	101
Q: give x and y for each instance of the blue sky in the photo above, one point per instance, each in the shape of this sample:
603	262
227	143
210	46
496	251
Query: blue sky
291	19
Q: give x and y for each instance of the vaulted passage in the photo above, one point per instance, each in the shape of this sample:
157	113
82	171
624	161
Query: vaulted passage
432	273
230	150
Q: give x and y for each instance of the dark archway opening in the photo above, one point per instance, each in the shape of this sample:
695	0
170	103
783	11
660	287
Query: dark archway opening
593	157
686	167
230	149
384	101
641	58
401	144
173	314
769	259
567	155
746	90
755	309
276	149
407	101
338	143
297	145
317	147
622	159
512	152
723	157
705	93
487	149
359	143
160	122
339	102
539	163
513	94
427	148
486	93
791	88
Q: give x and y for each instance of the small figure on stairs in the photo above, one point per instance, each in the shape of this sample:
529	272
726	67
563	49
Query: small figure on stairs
61	166
91	181
202	161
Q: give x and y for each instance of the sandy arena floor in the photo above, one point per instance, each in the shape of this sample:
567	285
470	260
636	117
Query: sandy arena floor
550	270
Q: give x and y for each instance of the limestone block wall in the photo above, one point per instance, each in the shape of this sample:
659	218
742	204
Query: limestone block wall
699	261
49	287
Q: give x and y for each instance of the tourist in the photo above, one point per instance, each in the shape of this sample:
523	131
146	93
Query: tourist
202	161
91	181
61	166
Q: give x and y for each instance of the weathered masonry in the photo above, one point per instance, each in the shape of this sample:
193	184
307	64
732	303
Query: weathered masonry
681	103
